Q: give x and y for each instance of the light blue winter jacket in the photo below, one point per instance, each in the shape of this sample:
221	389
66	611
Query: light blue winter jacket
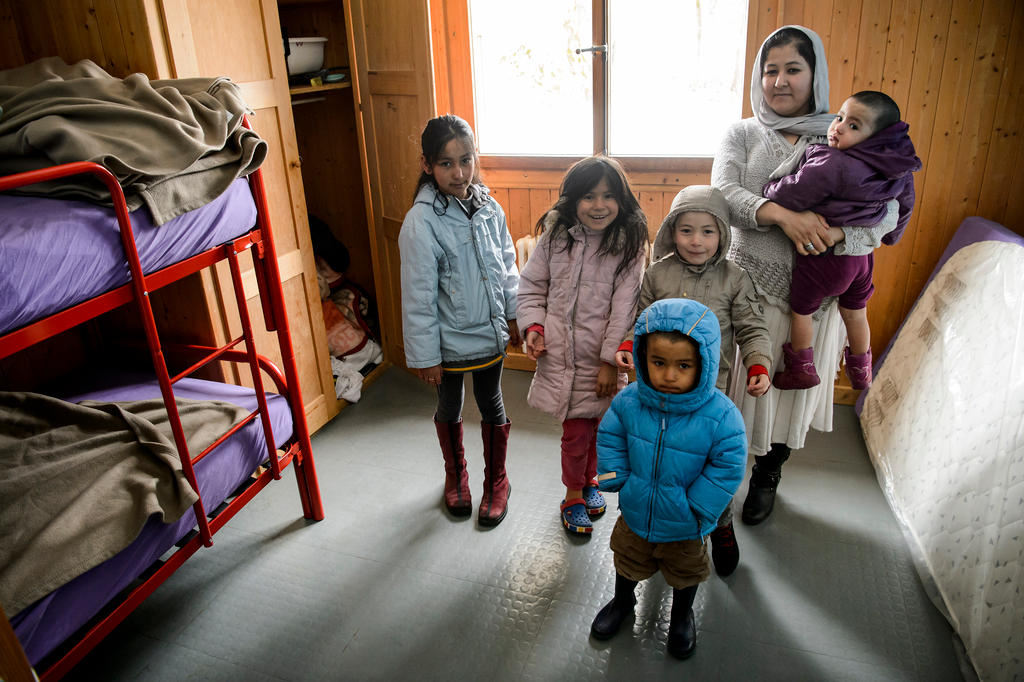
459	281
675	459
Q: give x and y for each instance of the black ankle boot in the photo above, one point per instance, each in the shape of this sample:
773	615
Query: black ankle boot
610	618
725	553
764	480
682	630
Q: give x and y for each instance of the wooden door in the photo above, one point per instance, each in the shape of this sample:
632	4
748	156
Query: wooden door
389	43
241	39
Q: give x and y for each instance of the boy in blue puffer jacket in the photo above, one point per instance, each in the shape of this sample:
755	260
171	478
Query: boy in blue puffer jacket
674	448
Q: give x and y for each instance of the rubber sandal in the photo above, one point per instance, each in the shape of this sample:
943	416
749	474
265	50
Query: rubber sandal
575	517
593	499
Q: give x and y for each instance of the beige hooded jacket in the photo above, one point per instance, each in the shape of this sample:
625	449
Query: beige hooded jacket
720	284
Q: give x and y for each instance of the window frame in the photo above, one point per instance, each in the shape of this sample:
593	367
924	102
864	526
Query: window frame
453	80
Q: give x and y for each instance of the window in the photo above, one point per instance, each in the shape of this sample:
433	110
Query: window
666	82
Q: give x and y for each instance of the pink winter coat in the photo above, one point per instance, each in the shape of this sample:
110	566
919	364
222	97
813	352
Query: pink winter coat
585	311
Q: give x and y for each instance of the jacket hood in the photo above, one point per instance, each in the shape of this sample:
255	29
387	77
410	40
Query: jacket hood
703	198
694	320
888	152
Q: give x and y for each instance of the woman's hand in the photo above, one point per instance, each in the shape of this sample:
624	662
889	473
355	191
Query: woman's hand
431	375
513	334
809	232
534	344
624	360
607	381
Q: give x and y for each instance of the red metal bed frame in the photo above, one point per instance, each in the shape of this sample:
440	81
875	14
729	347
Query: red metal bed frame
259	241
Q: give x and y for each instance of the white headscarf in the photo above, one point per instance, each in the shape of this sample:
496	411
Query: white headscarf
815	123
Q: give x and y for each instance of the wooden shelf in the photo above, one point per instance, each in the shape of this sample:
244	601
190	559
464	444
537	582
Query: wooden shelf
306	89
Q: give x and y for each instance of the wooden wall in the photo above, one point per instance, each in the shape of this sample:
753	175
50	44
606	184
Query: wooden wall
955	67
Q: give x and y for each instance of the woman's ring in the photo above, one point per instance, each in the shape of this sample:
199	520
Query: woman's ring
809	246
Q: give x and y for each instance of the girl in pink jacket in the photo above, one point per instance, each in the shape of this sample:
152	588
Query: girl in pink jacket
577	299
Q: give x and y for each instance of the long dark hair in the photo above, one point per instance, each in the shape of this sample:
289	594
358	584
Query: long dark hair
627	233
436	135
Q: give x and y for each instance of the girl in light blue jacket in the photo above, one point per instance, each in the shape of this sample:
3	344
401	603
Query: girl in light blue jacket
673	446
459	283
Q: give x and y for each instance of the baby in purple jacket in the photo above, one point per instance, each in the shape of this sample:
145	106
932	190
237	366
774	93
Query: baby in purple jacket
868	163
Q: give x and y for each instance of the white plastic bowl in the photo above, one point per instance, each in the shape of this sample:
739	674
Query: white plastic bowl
307	54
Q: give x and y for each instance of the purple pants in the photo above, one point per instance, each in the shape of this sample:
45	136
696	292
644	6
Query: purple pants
816	277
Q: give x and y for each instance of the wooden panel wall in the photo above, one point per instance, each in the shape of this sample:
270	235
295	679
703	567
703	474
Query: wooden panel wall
956	69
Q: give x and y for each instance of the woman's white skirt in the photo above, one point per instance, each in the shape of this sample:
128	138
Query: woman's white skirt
785	416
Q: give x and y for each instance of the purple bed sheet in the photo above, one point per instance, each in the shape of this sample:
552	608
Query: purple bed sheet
45	624
56	253
971	230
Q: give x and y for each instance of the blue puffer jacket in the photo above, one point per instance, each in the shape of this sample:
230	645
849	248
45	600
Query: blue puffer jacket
675	459
459	281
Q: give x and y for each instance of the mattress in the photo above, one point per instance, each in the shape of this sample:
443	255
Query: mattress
944	426
45	624
55	253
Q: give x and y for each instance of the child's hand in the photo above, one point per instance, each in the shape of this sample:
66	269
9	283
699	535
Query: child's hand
534	344
758	385
514	337
624	360
431	375
607	380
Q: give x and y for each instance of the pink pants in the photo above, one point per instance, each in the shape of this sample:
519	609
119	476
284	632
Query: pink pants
579	452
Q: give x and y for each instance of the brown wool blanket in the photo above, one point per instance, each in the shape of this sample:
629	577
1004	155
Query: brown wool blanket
173	145
78	482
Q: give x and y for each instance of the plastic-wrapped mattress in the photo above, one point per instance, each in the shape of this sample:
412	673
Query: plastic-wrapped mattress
944	426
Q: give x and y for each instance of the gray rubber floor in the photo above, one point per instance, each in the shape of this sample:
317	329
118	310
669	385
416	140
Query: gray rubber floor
388	587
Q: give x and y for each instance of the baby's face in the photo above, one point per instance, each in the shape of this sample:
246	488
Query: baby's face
673	365
852	125
695	234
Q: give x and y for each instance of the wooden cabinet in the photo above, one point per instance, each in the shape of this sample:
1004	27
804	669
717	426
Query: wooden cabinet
365	139
241	39
360	144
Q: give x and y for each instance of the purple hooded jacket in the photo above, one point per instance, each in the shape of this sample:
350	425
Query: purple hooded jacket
852	186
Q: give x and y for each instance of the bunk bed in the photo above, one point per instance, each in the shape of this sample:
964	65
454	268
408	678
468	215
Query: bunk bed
97	259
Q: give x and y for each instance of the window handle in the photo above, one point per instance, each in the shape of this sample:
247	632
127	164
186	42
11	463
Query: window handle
595	48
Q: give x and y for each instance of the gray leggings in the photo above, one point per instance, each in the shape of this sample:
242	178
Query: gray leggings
486	390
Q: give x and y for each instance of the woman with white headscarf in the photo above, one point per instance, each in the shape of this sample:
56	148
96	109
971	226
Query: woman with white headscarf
789	97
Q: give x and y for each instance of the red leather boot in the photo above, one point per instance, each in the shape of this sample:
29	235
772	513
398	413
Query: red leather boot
494	504
456	479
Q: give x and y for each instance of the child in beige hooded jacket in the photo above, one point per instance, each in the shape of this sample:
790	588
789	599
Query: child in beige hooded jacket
689	262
